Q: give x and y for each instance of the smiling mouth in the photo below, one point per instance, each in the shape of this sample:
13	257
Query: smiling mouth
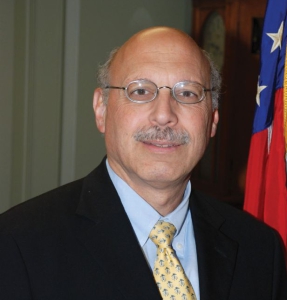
161	145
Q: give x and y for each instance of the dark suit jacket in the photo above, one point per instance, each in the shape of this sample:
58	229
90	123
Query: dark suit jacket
76	242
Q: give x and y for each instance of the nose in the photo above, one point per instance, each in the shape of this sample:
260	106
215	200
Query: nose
163	108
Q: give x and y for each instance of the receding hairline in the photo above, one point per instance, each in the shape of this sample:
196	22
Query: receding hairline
161	34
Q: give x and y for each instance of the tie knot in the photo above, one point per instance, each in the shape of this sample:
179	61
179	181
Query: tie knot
162	234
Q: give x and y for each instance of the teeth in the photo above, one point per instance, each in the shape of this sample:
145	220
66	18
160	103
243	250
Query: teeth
163	146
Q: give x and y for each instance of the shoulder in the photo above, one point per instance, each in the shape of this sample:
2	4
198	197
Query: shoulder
234	222
43	210
54	208
204	204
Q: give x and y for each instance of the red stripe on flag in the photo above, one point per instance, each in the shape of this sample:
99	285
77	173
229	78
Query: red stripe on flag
266	194
255	177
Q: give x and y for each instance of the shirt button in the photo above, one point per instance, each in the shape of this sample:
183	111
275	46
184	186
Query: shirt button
179	246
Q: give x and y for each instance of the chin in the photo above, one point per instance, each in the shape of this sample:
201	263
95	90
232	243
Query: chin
161	175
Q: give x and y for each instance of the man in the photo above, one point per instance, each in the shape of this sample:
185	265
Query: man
96	238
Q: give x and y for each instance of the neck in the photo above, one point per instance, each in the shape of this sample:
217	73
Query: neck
163	197
163	193
164	204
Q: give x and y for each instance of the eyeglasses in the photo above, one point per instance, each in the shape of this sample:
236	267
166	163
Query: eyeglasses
144	91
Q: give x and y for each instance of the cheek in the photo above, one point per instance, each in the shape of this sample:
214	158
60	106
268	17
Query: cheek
123	121
198	125
198	120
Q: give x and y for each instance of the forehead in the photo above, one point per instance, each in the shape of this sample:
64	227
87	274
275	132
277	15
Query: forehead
160	57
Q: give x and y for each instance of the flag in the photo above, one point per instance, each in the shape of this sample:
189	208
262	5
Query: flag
265	191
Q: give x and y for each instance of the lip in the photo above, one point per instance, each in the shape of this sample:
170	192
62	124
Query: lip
161	145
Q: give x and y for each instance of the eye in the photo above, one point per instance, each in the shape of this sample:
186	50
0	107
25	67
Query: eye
139	92
187	94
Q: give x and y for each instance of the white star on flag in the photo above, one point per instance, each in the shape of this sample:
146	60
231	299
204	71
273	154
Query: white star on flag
276	37
259	90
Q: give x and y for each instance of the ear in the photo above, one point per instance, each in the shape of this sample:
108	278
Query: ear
215	119
99	110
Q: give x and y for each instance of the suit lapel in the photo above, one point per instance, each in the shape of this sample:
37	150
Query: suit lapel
108	235
216	252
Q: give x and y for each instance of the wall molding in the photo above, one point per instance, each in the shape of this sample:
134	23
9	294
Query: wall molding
37	99
70	91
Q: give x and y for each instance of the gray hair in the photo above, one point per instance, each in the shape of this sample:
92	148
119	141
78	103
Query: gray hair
215	81
104	74
215	78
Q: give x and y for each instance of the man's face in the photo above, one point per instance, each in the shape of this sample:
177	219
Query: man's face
156	162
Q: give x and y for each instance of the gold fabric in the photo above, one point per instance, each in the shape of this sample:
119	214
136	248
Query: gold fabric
168	272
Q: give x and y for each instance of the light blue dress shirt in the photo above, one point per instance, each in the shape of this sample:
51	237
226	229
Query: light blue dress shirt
143	217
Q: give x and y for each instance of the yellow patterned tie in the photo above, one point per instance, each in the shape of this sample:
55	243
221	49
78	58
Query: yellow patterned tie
168	272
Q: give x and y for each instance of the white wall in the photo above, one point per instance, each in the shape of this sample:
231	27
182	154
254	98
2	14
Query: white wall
49	54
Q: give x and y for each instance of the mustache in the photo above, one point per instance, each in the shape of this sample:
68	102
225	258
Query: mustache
155	133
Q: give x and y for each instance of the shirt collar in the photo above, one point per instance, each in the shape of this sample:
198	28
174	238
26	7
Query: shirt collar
141	214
